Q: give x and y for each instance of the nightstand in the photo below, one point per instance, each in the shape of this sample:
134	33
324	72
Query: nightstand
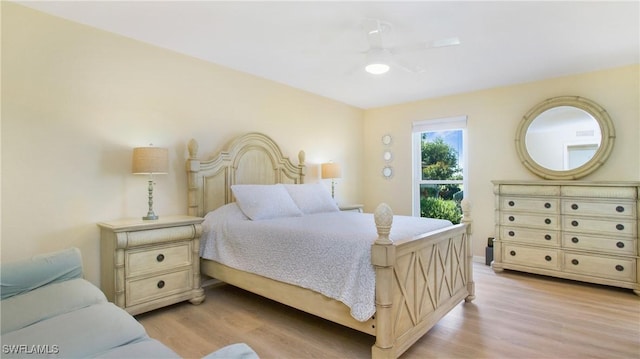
351	207
150	264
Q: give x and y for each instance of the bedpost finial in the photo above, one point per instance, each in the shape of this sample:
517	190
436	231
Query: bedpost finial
301	157
192	146
383	217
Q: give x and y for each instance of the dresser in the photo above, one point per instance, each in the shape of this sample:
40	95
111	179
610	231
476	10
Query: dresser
150	264
586	231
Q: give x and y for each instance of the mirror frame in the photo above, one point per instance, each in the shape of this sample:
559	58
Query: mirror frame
601	155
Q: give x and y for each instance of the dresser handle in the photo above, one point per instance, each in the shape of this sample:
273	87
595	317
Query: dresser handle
160	257
620	227
620	244
575	240
547	205
547	237
512	218
619	209
512	233
574	206
513	253
547	258
619	268
512	203
161	284
574	223
575	262
547	221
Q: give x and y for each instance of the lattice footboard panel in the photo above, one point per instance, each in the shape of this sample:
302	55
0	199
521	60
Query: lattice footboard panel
425	279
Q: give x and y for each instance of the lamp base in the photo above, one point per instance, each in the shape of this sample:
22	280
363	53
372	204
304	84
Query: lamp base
151	217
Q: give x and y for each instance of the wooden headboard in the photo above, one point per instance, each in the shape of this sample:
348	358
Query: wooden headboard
253	158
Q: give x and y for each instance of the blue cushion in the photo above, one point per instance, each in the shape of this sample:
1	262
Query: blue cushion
233	351
29	274
28	308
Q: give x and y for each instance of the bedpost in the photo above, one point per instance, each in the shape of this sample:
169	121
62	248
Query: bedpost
301	165
383	258
466	218
193	166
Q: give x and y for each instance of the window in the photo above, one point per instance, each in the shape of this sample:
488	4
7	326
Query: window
439	167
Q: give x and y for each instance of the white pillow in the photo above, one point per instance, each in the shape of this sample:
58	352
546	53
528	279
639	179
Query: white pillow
312	198
265	201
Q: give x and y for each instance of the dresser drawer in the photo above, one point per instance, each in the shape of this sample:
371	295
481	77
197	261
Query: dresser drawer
548	222
531	236
615	209
546	258
615	227
159	258
620	246
604	267
542	205
147	289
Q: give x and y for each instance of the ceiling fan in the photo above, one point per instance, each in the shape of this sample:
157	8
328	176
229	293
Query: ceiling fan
380	56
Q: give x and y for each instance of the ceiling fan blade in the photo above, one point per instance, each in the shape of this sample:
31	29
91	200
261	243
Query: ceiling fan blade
452	41
375	30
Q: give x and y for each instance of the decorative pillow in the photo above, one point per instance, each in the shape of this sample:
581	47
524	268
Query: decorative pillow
265	201
312	198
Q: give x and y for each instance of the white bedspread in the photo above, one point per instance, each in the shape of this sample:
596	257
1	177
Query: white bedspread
329	253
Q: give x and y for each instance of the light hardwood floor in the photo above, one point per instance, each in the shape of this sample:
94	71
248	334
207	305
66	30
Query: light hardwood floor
515	315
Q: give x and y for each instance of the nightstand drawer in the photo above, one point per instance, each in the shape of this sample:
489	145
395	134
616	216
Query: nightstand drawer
160	286
160	258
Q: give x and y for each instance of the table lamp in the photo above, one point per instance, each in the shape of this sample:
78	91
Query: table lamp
150	161
331	170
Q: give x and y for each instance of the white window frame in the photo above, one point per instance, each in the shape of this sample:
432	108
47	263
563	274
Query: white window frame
439	124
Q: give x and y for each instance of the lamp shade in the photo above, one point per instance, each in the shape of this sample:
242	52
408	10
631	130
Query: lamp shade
330	170
148	160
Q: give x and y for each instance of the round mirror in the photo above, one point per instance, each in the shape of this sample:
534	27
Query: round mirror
565	137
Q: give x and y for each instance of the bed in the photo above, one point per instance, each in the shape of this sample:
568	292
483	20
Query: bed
417	280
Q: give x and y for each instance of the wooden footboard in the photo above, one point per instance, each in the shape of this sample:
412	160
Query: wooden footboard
418	281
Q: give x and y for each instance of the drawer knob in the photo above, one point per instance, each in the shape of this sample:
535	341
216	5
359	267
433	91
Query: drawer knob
575	262
547	221
620	227
161	284
619	268
513	253
574	223
620	209
575	240
547	237
574	206
512	233
512	218
160	257
512	203
620	244
547	205
547	258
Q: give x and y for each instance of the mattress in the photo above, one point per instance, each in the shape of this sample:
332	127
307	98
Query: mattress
329	252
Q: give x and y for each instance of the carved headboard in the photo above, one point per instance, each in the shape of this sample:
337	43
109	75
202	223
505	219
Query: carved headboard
253	158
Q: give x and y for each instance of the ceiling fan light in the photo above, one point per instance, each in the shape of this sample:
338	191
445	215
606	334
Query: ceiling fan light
377	68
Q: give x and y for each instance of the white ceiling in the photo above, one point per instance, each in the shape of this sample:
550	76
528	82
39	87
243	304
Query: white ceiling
319	46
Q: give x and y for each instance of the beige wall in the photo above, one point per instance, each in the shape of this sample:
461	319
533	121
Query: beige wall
493	117
76	100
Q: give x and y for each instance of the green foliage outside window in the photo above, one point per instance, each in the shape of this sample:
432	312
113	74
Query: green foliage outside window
440	162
